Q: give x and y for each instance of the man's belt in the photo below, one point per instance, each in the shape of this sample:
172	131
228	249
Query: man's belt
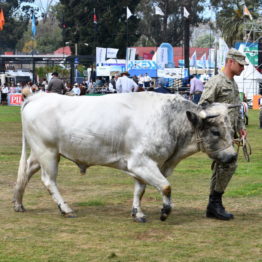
198	93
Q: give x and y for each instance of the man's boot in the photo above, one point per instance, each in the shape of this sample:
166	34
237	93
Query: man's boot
215	208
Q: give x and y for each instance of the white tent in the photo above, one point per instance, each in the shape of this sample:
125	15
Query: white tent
248	81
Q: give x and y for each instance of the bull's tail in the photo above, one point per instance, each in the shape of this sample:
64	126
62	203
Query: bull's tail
21	178
22	163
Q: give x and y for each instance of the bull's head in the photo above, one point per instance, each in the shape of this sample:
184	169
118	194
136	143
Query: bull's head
214	132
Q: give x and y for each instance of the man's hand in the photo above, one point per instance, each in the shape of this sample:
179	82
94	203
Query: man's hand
243	133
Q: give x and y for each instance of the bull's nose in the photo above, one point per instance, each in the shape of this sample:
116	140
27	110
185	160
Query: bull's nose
231	158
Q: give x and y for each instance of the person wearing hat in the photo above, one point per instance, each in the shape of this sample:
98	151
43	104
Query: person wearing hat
222	88
56	85
124	84
76	90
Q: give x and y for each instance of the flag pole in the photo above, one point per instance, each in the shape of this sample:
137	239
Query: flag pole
126	32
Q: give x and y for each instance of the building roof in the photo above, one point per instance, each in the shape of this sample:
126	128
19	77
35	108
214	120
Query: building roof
63	51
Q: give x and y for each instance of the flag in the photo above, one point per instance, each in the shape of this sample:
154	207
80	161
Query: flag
222	53
158	11
130	54
193	60
100	55
94	17
111	52
246	12
211	58
2	19
128	13
162	57
203	60
186	13
33	25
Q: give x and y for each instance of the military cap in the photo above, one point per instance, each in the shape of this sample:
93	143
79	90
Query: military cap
236	55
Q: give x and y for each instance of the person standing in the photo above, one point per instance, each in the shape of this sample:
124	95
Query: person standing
124	84
4	94
56	85
147	81
223	88
196	89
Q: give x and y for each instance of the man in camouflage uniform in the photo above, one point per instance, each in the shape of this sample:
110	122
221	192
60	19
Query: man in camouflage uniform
222	88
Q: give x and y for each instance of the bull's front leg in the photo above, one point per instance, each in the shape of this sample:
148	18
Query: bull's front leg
151	174
51	186
137	212
167	206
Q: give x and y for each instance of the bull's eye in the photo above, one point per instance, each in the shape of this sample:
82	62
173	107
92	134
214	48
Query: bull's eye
215	132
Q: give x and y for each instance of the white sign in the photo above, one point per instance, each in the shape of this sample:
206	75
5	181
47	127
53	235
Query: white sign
176	73
103	70
111	52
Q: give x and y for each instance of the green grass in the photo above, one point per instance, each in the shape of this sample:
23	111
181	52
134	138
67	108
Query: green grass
102	199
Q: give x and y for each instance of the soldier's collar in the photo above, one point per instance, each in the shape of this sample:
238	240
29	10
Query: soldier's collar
227	79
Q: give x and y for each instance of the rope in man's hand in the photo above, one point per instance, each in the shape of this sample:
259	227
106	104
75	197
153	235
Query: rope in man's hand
243	142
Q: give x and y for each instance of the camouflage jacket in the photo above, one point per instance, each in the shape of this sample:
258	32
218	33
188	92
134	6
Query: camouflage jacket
221	89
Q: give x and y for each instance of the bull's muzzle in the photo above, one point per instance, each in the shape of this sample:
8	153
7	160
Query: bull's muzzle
227	156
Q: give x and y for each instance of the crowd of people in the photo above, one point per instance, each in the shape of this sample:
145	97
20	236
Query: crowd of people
119	83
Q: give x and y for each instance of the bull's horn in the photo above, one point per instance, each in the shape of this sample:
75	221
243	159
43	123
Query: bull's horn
26	92
233	106
204	115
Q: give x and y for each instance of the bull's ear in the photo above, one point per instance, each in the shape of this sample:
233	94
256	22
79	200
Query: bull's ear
193	118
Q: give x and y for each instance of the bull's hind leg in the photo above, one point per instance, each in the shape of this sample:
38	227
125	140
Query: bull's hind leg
139	191
24	175
151	174
49	165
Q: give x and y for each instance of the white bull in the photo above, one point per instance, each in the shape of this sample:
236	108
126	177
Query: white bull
144	134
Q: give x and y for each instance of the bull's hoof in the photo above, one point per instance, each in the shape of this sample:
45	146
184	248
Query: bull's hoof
140	219
19	208
165	212
70	215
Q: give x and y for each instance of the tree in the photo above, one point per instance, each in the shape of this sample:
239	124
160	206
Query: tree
110	29
17	15
168	28
206	40
230	19
48	37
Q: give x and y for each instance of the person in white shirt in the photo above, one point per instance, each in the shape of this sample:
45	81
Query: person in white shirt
76	90
124	84
4	93
147	80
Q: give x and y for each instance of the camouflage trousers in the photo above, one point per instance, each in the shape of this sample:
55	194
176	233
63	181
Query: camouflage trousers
221	175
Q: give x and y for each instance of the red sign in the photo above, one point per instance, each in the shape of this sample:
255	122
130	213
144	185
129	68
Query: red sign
15	99
147	56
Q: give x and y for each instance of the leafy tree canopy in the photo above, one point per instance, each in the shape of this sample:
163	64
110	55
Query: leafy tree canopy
76	18
17	14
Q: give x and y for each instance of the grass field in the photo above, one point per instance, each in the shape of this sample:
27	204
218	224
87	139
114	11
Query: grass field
104	230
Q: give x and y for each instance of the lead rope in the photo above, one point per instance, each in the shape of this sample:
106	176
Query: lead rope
243	142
